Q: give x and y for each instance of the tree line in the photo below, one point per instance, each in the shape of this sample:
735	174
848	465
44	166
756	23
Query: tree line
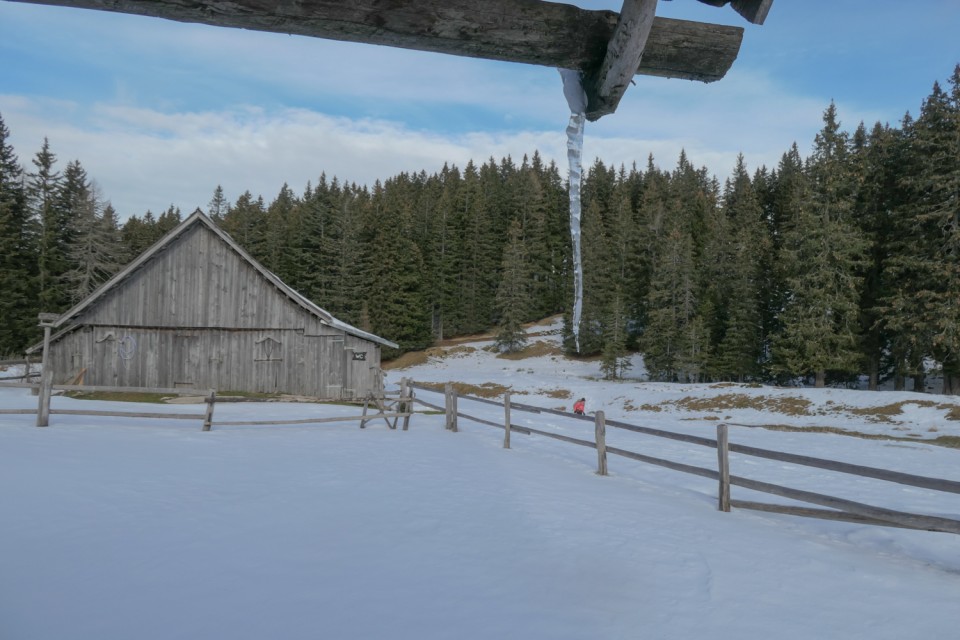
825	268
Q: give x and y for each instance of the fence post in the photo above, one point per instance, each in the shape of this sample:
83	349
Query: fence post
723	460
506	420
208	419
454	409
600	424
46	381
446	406
406	406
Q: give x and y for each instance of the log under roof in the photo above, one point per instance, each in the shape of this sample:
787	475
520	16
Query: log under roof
597	43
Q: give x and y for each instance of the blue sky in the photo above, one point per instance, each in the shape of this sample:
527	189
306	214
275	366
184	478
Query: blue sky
160	113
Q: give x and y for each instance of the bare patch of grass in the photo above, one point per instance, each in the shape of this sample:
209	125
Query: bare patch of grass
730	401
947	441
485	390
118	396
414	358
458	352
953	413
535	350
560	394
162	398
952	442
409	359
887	412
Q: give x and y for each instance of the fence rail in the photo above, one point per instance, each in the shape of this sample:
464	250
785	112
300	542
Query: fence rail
386	408
838	508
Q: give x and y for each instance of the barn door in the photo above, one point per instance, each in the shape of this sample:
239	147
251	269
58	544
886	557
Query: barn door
336	367
186	359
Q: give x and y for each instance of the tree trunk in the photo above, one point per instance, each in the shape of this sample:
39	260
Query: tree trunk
874	373
920	382
821	379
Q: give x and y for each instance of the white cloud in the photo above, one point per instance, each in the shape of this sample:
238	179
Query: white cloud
148	158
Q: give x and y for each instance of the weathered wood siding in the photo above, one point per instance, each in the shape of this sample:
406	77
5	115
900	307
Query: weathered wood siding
198	315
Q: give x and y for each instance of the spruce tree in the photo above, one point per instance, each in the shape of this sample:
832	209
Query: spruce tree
392	266
18	250
876	202
482	247
43	187
734	280
513	295
95	251
823	252
920	309
615	359
218	206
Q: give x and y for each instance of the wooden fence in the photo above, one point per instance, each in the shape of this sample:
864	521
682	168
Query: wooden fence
837	508
387	407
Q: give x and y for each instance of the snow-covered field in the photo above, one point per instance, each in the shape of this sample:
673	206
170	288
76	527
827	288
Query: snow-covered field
114	528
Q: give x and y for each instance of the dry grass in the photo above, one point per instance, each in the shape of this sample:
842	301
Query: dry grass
486	390
161	398
414	358
726	402
559	394
536	350
952	442
409	359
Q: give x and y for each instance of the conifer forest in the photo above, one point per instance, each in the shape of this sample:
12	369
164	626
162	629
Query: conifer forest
840	263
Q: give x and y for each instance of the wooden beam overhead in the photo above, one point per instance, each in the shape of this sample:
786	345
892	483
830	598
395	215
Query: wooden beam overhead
624	53
754	11
527	31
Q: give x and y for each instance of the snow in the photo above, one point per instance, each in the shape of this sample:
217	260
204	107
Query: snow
115	528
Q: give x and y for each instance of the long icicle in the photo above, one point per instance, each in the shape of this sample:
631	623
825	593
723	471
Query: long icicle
577	101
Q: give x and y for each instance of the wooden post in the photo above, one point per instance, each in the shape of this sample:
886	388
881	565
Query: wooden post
208	418
363	420
46	381
601	433
723	460
446	406
406	392
453	405
506	420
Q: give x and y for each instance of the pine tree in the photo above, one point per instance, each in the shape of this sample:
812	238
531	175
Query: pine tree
478	270
448	256
94	251
284	235
246	223
43	187
676	341
393	266
17	255
737	243
876	201
823	252
513	295
218	206
920	309
598	280
672	307
615	359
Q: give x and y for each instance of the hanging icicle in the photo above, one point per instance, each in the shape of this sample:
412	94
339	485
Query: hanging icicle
577	101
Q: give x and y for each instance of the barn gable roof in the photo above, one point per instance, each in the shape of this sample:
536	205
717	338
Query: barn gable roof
65	321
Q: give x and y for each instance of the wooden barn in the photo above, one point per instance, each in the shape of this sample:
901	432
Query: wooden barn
196	311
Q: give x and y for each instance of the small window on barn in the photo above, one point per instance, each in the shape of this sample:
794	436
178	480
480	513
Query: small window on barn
268	349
